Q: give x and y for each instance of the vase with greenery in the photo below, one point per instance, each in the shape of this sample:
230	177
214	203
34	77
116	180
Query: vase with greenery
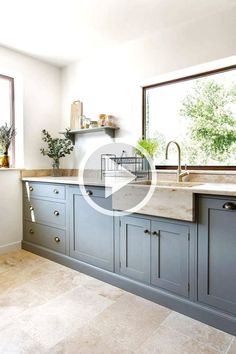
6	136
56	149
151	148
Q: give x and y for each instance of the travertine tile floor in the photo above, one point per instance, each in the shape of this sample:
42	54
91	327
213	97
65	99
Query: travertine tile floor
48	308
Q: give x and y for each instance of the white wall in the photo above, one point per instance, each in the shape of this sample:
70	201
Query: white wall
38	107
10	211
40	83
110	82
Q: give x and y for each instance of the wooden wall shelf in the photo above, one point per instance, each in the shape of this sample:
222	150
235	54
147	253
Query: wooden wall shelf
107	130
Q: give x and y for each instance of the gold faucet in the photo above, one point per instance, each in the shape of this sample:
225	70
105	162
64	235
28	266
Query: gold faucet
180	173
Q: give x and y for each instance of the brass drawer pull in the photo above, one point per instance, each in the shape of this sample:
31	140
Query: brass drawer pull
31	231
56	191
57	239
31	208
156	233
56	213
229	206
31	189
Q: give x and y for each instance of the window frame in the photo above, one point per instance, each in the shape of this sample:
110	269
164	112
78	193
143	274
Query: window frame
12	112
174	81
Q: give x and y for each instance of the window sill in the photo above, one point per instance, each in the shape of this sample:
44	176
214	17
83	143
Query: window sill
207	172
11	169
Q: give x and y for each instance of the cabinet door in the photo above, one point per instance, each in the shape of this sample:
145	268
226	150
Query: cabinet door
170	257
217	254
91	232
135	248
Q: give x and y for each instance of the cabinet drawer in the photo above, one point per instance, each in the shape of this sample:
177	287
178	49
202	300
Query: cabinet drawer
45	236
90	190
48	190
44	211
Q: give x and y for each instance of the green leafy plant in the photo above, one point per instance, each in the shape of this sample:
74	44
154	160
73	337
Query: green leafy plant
212	128
6	136
57	147
150	145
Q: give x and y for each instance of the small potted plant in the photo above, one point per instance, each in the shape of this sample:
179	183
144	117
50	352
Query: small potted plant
150	146
6	136
57	148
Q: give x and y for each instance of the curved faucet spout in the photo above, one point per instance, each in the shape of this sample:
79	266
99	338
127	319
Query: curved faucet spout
180	173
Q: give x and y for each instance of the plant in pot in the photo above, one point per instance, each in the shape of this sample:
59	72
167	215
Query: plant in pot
56	149
6	136
150	146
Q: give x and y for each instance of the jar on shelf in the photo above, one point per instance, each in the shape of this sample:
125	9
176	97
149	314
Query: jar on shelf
109	122
102	120
84	122
93	124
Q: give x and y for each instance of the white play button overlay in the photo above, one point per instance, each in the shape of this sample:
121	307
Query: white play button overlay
116	177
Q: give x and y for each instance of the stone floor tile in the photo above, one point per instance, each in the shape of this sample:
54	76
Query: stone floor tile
48	308
88	340
129	322
104	289
169	341
201	332
15	302
59	318
14	340
57	283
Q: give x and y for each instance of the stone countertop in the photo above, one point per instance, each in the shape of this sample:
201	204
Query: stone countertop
168	199
228	189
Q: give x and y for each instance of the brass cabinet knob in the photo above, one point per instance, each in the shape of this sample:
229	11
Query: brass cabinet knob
156	233
31	189
31	208
56	191
56	212
146	231
57	239
31	231
89	192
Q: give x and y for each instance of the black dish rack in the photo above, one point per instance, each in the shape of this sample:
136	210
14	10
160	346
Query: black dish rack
114	166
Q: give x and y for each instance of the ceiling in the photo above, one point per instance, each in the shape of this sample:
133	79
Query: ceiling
62	31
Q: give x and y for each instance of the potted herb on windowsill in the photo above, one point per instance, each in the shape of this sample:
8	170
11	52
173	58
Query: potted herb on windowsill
151	148
6	136
57	148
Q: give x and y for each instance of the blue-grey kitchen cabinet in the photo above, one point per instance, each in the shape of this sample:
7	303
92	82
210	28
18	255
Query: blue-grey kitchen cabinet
170	256
135	248
91	232
217	253
155	252
44	206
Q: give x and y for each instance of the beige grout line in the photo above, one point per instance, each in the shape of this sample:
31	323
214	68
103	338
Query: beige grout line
229	345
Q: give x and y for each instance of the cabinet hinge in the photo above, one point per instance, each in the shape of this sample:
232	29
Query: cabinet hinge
188	287
189	236
120	223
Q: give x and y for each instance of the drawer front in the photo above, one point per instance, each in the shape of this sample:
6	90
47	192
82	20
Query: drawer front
45	236
47	190
43	211
90	190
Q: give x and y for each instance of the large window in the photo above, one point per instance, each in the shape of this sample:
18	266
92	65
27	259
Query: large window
199	112
7	105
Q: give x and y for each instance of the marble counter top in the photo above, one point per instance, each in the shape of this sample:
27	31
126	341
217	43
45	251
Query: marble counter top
228	189
167	200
